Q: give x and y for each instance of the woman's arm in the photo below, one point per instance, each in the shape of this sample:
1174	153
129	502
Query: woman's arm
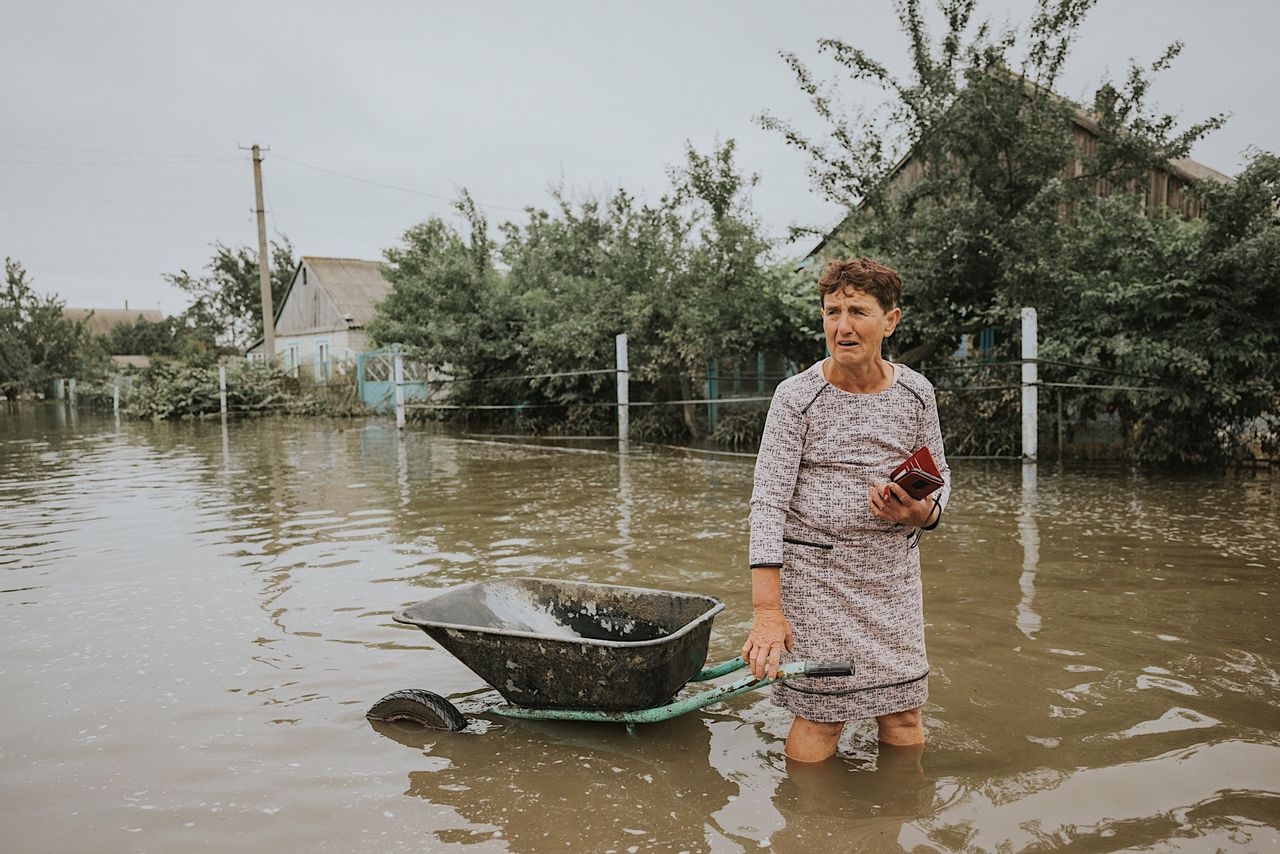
777	466
890	502
932	439
770	631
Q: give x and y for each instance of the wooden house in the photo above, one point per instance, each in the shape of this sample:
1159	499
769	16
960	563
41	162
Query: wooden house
320	323
99	322
1165	187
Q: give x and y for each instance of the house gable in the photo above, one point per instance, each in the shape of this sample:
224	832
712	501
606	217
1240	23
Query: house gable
306	307
329	297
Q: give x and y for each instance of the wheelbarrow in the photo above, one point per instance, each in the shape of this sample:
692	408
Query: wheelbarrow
576	651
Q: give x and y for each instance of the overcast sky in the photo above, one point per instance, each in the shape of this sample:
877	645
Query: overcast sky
119	156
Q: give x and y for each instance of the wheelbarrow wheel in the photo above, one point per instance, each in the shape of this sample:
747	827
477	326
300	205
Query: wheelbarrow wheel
416	705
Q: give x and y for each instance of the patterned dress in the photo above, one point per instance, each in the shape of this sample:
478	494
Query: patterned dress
850	581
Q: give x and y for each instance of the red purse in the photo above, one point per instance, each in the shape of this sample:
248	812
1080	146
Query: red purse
918	475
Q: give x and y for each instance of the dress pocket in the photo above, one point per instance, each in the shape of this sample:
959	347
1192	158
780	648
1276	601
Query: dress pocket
824	546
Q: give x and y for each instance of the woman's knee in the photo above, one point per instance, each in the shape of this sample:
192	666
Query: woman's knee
813	741
901	728
826	728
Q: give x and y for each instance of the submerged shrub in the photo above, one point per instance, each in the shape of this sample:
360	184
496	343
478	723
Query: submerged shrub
174	390
740	426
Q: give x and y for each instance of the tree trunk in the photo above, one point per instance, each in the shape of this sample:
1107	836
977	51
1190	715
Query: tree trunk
690	409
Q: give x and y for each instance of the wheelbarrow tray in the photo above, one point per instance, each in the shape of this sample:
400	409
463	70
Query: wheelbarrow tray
551	644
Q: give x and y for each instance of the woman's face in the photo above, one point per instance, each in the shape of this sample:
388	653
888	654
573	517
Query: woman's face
855	325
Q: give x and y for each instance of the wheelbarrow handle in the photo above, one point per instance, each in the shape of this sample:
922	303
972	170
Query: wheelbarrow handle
717	694
819	669
813	669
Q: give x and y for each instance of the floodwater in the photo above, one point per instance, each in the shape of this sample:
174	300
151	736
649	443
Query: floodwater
195	620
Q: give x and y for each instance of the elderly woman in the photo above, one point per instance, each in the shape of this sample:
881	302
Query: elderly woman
834	559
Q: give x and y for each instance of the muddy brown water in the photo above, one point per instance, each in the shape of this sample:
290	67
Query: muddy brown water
195	621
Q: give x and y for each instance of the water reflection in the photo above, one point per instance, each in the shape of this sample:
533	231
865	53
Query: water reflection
591	787
1029	535
402	470
624	507
226	441
841	805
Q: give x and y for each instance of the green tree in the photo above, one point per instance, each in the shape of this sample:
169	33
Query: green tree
579	275
688	277
992	146
1189	307
37	343
997	208
228	296
189	337
447	301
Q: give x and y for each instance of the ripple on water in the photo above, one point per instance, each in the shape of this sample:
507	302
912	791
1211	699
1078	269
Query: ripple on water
1167	684
1174	720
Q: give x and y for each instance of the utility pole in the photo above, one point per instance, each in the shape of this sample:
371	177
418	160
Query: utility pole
264	270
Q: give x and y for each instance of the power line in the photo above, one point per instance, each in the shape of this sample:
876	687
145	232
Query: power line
386	186
1098	369
108	151
271	210
118	201
186	162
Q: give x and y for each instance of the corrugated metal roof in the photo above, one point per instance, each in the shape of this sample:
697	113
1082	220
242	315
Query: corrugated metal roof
355	286
100	321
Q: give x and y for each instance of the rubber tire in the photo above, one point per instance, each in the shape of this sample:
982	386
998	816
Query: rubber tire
419	706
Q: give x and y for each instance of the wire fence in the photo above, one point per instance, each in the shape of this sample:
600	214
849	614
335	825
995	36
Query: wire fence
749	387
727	399
736	398
991	423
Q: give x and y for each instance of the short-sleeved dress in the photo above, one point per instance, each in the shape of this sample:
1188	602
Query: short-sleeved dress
850	581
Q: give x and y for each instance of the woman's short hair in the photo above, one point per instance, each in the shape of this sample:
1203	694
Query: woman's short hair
861	274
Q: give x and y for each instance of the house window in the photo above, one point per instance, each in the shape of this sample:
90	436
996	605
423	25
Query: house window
322	361
291	358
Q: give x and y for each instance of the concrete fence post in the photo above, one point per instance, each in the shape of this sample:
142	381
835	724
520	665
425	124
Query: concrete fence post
713	392
71	392
222	389
398	376
624	391
1030	352
115	399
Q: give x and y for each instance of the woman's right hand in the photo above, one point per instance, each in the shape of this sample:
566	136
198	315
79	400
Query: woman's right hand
770	634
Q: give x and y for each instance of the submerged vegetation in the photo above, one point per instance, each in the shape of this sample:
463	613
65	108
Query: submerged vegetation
170	390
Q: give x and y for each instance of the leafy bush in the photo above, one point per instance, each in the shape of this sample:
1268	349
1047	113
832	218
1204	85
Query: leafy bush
688	278
739	426
171	390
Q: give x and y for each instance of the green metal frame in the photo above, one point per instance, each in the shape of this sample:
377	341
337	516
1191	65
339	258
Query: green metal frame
687	704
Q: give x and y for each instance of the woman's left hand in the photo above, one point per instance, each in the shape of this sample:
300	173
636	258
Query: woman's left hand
898	507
